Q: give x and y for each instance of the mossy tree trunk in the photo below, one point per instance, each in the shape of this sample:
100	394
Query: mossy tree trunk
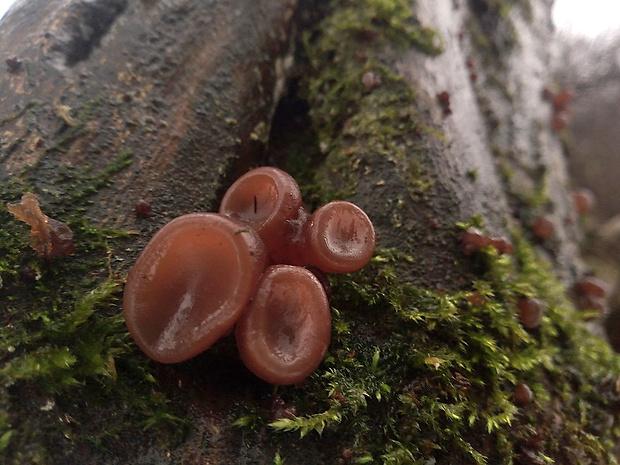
428	114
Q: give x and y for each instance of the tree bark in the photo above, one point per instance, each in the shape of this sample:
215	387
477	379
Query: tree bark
426	114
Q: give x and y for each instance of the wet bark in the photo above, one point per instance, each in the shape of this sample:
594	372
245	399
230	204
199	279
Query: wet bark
189	90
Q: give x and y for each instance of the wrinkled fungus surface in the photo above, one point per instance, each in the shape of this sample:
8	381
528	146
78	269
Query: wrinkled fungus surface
48	237
190	285
285	332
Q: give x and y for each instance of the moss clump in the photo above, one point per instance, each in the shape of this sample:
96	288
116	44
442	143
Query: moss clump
491	29
379	122
66	353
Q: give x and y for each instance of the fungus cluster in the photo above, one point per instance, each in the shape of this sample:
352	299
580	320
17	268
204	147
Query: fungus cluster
248	267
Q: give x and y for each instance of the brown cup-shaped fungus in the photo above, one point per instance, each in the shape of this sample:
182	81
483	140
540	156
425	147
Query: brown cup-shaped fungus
339	238
268	199
283	335
530	312
190	285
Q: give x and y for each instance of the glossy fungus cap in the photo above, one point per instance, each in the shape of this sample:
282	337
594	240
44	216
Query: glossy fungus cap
283	335
190	285
267	199
340	238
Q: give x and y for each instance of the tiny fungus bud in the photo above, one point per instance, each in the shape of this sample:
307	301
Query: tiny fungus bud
473	240
591	286
592	302
143	208
559	121
371	80
530	312
476	299
280	409
190	285
523	394
283	335
14	65
583	200
502	245
543	228
339	237
561	100
444	102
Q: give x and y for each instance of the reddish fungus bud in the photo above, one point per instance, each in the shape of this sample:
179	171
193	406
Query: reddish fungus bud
502	245
339	238
559	121
143	208
268	200
561	100
530	312
284	333
14	65
444	102
523	394
592	302
476	299
591	286
280	409
543	228
190	285
371	80
583	200
48	237
473	240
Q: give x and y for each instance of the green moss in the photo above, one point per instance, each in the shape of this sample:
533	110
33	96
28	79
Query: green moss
64	346
491	28
19	113
440	372
378	122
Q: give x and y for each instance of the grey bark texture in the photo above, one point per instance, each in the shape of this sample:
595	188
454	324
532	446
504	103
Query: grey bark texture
190	89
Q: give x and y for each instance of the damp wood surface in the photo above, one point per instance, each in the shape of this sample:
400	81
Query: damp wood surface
426	114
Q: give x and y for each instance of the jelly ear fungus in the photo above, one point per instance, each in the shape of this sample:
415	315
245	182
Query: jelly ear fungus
283	335
190	285
268	200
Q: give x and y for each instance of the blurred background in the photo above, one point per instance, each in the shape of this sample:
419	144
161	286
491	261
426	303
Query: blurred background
586	66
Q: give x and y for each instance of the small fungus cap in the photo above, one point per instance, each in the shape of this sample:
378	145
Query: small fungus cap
340	238
265	199
283	335
190	285
531	311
